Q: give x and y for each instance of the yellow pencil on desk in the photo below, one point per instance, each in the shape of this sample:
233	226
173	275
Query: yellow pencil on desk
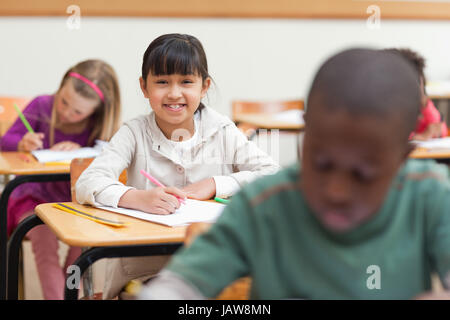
57	163
72	210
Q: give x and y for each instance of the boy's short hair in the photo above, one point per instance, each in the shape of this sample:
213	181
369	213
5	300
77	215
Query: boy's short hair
368	82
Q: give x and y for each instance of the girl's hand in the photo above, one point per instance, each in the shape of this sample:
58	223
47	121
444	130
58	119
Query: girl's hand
65	146
158	200
434	130
31	141
202	190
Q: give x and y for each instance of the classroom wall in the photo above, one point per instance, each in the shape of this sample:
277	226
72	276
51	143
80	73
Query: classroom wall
265	59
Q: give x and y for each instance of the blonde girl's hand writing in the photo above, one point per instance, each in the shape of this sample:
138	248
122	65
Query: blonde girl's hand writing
202	190
157	200
65	146
434	130
31	141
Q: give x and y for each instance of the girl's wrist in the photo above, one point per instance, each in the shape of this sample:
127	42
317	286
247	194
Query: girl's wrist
128	199
20	146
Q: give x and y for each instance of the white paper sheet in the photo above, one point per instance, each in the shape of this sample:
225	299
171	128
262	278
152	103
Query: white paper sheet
441	143
192	211
291	116
48	155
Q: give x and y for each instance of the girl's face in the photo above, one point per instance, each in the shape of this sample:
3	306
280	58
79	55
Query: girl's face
174	99
71	107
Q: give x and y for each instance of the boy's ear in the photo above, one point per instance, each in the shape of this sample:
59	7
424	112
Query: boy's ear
143	87
206	85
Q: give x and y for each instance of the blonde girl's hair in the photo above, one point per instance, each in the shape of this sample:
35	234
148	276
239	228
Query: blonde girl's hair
106	117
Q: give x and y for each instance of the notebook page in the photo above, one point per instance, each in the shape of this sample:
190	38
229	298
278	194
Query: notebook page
48	155
192	211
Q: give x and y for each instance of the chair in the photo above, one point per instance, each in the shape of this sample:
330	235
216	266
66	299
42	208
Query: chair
261	107
239	289
77	166
7	112
7	117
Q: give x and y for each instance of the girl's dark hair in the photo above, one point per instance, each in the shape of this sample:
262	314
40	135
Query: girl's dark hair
175	54
414	58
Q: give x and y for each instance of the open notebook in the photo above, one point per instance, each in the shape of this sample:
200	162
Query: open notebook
47	155
434	144
192	211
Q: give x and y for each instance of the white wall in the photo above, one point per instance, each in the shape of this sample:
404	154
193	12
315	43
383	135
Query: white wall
248	58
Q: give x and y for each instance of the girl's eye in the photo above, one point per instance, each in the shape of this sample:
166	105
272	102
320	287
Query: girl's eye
188	81
161	81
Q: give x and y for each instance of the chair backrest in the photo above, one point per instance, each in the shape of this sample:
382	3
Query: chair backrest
77	166
242	107
7	112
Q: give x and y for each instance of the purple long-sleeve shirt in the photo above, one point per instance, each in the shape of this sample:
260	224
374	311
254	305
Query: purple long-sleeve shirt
27	196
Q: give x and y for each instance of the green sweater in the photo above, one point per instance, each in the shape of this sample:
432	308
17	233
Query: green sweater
269	233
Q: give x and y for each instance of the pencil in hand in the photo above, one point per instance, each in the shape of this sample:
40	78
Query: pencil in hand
32	137
159	184
24	120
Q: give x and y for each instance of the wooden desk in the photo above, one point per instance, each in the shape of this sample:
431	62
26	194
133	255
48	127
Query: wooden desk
77	231
438	154
139	238
266	121
15	163
438	90
27	171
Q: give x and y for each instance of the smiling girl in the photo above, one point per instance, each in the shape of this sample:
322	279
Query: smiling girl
184	144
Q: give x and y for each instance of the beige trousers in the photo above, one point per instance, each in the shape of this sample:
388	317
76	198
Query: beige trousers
119	271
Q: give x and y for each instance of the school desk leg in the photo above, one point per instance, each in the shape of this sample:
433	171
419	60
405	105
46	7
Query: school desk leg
90	256
14	247
88	279
9	188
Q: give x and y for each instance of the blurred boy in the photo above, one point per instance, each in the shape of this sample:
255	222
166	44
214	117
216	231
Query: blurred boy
354	220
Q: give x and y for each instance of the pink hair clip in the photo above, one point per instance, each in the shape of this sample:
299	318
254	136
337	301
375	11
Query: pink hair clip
89	83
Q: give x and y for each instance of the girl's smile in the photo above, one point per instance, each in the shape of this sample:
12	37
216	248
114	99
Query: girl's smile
175	107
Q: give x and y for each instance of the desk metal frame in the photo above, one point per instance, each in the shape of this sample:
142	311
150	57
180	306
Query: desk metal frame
9	188
83	262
